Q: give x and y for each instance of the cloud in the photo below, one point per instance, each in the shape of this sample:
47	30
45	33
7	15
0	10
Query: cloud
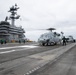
37	14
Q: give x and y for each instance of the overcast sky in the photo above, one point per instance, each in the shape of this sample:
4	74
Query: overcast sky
43	14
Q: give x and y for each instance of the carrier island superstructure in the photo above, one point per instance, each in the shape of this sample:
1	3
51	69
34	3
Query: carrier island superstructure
9	31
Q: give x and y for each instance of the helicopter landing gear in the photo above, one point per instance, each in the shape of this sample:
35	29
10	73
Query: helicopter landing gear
43	44
52	43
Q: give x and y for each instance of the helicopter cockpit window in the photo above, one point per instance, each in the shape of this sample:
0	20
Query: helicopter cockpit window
41	35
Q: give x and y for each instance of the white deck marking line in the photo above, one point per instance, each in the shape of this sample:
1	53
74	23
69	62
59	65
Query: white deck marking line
30	46
27	47
7	51
14	50
28	73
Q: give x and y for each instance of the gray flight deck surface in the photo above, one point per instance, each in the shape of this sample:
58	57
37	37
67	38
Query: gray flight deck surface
32	59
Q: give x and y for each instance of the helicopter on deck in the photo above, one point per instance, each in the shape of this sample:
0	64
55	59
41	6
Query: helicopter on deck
50	38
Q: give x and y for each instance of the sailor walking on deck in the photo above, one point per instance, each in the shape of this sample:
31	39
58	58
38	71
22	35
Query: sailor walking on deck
64	40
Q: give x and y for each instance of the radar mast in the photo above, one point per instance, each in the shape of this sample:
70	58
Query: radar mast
13	16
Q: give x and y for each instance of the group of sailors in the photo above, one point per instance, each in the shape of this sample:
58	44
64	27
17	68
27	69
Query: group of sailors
23	41
64	41
2	41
